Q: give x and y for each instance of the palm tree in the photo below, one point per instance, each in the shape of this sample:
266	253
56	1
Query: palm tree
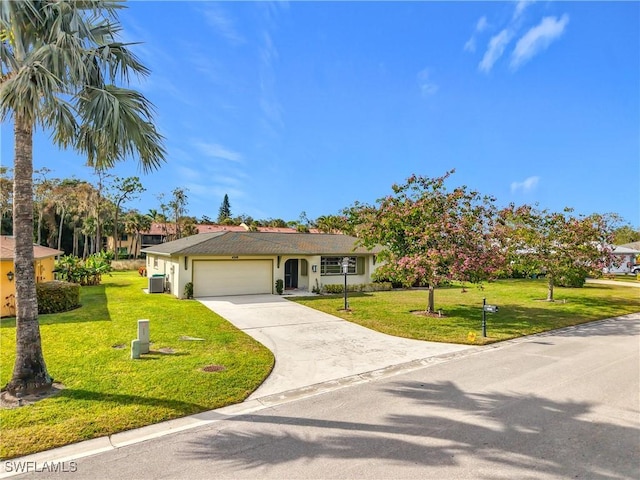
60	62
135	224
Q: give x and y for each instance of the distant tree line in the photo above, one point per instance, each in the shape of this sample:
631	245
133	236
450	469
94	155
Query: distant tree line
75	215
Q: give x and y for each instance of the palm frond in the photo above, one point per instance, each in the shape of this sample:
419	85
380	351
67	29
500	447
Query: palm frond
25	91
116	125
60	64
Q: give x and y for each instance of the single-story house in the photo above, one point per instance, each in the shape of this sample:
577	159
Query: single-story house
241	263
43	264
625	259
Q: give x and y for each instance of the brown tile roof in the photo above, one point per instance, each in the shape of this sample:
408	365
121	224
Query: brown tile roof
632	245
7	244
261	243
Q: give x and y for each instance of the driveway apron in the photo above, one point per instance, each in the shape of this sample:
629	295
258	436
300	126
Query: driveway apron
313	347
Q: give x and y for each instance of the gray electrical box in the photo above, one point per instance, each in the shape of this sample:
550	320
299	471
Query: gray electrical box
156	284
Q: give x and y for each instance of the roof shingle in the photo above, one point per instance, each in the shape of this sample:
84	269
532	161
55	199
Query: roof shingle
7	245
261	243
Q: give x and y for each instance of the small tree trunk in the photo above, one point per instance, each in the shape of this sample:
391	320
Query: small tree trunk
116	240
40	225
75	242
431	307
60	228
85	246
135	245
29	371
550	289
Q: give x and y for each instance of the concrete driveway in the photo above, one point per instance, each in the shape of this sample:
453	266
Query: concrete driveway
312	347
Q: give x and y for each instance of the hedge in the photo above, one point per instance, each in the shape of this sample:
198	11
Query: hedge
57	296
360	287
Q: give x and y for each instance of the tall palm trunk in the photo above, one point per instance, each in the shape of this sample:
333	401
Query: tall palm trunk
29	372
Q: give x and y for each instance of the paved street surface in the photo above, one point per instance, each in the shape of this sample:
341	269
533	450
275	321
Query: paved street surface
562	405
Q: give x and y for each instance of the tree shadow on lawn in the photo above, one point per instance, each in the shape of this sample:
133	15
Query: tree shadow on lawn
520	432
122	399
93	308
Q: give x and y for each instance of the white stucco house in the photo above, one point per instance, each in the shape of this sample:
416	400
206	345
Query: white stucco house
626	258
243	263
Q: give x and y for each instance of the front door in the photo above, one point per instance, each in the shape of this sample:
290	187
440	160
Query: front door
291	273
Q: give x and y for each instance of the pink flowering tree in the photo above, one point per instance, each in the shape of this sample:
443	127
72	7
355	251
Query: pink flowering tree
558	244
431	235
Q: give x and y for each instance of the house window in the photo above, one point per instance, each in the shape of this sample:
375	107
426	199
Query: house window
333	266
155	262
304	268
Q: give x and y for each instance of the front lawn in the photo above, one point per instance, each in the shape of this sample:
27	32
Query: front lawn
522	310
88	350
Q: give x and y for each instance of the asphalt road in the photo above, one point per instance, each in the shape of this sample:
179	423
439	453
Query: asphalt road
555	406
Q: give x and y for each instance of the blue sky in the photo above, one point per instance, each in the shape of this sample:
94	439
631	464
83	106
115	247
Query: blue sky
310	106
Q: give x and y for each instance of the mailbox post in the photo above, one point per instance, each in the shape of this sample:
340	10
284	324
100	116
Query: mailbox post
484	317
486	308
345	270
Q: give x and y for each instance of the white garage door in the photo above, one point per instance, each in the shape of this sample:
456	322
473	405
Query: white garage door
231	277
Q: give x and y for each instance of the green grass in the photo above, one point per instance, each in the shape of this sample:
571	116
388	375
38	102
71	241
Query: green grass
522	310
107	392
622	278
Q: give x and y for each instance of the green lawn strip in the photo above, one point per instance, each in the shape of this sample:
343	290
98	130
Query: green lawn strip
623	278
522	310
88	350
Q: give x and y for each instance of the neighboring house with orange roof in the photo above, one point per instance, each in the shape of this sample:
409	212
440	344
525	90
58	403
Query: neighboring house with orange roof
43	264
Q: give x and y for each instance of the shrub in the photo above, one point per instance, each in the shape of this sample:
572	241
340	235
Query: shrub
574	278
57	296
188	290
360	287
279	286
88	272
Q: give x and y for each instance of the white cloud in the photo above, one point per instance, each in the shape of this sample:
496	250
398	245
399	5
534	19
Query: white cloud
427	86
525	186
222	24
520	7
215	150
537	39
269	103
470	46
496	48
481	26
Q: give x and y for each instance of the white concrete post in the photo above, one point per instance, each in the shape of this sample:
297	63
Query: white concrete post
143	335
135	349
